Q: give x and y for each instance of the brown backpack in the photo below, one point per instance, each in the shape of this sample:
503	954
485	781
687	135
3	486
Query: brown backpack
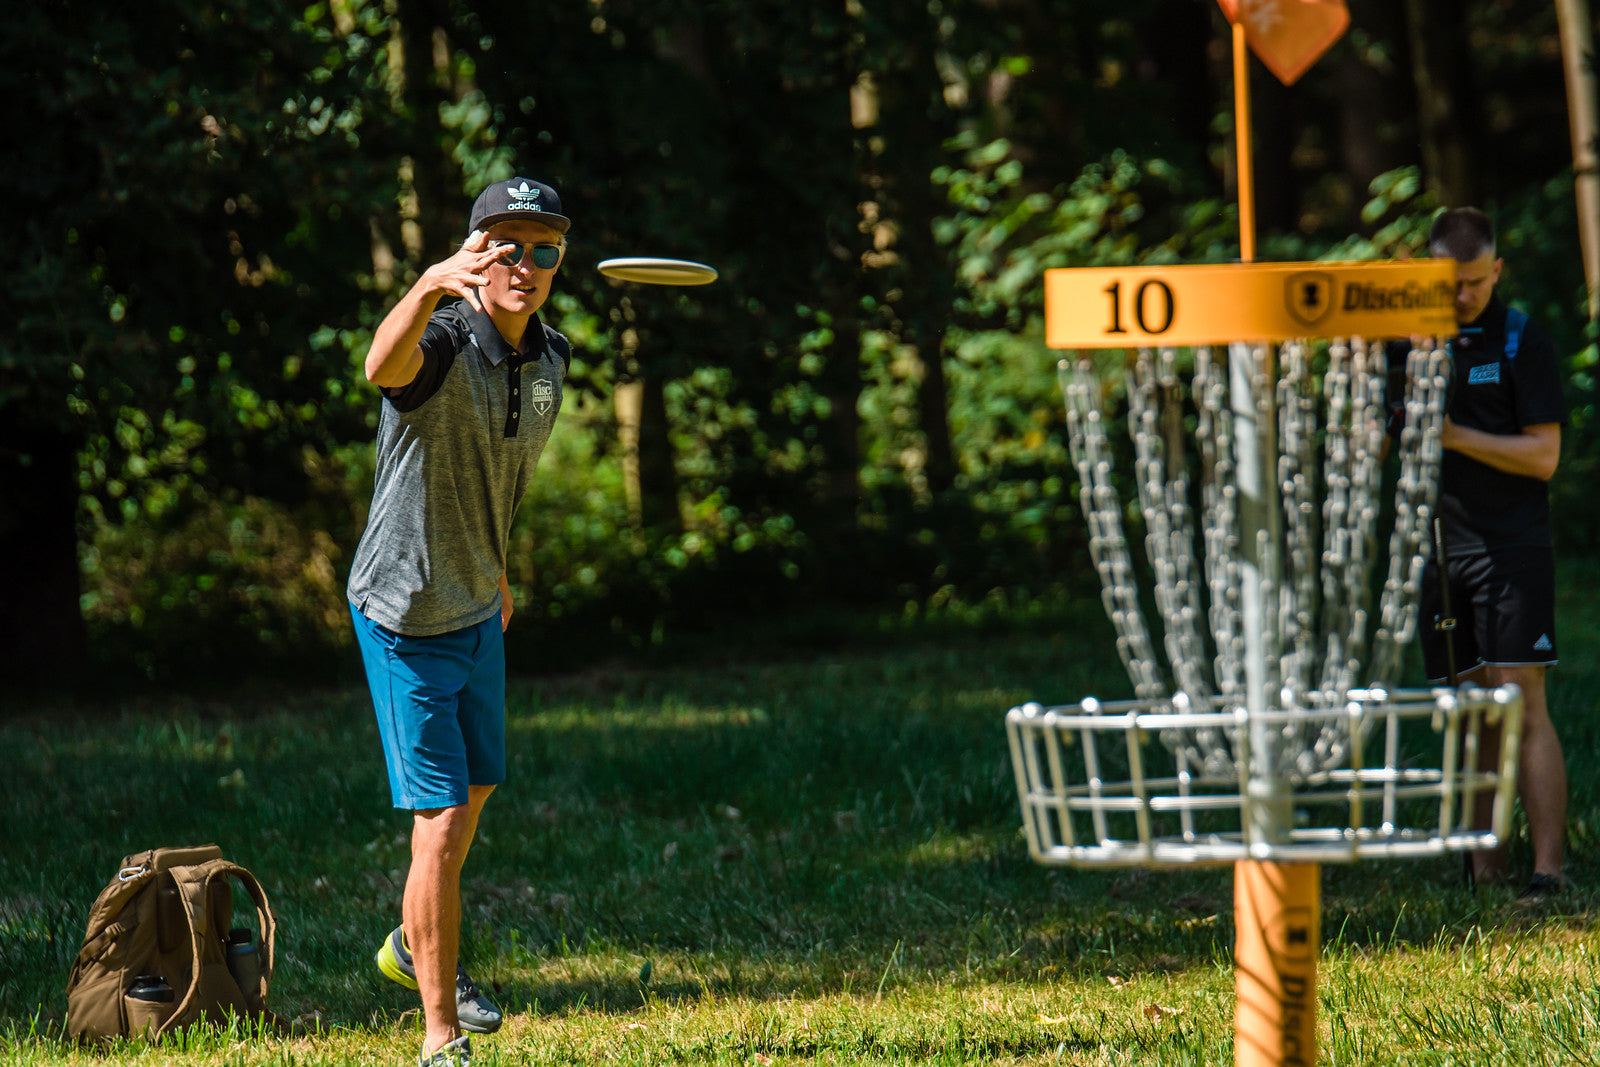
161	951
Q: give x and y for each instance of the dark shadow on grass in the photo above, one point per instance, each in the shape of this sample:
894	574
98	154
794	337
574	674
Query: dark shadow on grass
1423	904
876	829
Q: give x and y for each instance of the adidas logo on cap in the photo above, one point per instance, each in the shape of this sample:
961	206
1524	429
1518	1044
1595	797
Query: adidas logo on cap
518	198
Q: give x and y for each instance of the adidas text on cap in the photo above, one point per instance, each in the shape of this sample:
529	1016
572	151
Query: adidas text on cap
518	198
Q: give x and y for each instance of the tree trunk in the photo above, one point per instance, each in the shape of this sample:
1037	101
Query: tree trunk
1374	96
1446	101
42	642
843	442
916	125
658	474
1577	51
434	215
854	106
627	400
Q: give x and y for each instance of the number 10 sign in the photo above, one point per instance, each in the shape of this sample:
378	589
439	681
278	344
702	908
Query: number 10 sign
1136	307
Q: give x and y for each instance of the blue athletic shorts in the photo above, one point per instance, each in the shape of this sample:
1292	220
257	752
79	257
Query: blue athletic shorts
441	706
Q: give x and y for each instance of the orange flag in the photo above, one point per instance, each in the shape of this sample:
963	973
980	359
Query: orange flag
1289	35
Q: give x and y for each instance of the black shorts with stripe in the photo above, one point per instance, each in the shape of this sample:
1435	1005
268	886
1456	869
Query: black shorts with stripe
1503	602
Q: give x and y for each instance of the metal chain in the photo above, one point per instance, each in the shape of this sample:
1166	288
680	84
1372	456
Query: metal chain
1366	439
1102	508
1154	421
1212	749
1337	551
1220	499
1428	369
1297	473
1354	444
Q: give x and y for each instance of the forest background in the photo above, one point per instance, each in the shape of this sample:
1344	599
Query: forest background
211	203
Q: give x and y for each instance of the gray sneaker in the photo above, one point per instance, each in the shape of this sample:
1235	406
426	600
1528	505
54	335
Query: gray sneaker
457	1053
476	1012
1542	889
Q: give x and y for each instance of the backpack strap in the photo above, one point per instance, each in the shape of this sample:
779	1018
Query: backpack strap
106	919
110	916
1515	321
194	884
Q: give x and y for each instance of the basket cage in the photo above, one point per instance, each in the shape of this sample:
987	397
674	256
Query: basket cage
1202	766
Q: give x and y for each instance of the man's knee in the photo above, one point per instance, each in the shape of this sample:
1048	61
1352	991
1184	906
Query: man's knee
1514	671
1530	679
1527	677
443	833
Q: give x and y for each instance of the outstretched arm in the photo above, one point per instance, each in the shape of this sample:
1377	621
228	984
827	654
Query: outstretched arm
395	358
1533	453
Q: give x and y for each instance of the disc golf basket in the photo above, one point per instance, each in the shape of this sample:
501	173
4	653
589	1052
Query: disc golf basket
1268	731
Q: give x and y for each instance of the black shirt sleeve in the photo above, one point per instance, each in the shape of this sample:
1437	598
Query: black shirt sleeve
445	335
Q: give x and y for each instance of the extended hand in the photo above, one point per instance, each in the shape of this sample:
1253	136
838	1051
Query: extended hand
462	273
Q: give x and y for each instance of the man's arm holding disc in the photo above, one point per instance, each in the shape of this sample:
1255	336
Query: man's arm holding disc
395	356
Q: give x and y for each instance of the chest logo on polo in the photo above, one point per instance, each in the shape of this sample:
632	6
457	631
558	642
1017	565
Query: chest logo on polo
543	395
1484	375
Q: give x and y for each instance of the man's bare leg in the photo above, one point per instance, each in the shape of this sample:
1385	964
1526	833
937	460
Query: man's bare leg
1488	866
431	912
1541	778
1541	770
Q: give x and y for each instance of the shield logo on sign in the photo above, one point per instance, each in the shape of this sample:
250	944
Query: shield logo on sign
1309	296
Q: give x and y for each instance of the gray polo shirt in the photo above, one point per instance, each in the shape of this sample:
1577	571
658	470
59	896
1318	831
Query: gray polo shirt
455	452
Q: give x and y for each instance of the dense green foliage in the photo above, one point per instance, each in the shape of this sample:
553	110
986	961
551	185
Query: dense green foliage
215	201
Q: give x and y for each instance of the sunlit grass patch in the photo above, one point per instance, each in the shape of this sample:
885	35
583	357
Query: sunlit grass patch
800	862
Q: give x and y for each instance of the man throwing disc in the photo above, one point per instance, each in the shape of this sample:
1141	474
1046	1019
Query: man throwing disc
1502	439
470	393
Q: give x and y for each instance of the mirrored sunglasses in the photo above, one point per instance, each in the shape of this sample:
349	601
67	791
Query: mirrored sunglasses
544	257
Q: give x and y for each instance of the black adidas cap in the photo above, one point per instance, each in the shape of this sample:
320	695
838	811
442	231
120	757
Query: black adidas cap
518	198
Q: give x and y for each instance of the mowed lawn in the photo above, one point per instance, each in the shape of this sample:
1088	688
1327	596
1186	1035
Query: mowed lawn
797	860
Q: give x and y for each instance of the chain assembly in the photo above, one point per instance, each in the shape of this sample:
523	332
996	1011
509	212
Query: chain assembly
1319	427
1427	391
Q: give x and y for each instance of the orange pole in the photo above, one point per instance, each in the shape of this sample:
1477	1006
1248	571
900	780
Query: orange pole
1243	163
1277	910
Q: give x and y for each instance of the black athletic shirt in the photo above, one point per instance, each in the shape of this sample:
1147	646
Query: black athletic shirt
1483	508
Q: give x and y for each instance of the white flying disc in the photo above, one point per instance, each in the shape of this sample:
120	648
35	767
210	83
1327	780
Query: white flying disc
650	270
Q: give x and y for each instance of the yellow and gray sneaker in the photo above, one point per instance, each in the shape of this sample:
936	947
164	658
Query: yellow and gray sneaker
457	1053
476	1012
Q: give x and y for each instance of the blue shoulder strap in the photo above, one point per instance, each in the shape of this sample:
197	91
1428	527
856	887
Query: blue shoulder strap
1515	321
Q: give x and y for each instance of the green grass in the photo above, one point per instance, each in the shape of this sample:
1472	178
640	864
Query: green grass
820	860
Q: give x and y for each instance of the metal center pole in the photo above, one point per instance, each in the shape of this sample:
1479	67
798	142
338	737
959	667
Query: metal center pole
1277	906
